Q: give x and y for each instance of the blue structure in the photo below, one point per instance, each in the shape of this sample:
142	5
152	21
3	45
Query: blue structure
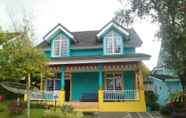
163	86
164	80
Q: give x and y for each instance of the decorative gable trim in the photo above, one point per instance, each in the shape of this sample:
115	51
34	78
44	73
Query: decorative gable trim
55	29
112	24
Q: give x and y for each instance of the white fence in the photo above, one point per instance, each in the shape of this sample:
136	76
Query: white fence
120	95
45	95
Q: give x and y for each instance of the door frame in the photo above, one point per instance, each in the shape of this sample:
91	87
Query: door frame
70	89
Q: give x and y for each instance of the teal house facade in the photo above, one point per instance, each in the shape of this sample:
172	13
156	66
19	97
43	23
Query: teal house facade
95	70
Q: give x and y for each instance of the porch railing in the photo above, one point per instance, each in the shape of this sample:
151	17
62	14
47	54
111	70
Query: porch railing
44	95
120	95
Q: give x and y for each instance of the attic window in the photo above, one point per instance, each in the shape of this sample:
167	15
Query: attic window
113	44
60	46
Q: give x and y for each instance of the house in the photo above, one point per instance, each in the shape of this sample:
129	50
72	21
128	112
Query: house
94	70
163	86
164	80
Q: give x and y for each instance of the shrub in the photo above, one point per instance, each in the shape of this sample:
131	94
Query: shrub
2	108
2	98
52	114
67	108
65	112
166	110
15	108
74	114
151	100
37	105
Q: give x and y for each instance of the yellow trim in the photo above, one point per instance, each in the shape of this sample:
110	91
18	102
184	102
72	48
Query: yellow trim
126	106
61	98
100	97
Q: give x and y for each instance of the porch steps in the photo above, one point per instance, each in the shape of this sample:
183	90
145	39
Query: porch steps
84	106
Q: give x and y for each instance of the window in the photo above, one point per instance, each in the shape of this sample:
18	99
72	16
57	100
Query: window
113	44
114	81
60	46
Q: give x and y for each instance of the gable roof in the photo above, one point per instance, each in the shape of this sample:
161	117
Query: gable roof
115	25
86	39
89	39
55	29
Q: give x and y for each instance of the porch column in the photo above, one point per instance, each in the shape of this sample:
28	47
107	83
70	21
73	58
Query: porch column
100	77
62	77
61	97
101	92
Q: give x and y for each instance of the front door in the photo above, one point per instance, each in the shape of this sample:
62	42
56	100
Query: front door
67	90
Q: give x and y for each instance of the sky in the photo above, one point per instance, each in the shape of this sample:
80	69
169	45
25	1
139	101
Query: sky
75	15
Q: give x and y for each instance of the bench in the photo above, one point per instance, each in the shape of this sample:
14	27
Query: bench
89	97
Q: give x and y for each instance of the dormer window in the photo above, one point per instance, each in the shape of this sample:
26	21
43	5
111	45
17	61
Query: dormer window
113	44
60	46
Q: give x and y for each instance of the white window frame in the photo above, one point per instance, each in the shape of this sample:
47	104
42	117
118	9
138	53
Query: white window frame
114	80
113	37
59	39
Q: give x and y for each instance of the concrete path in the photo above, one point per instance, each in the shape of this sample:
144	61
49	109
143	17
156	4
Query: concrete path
130	115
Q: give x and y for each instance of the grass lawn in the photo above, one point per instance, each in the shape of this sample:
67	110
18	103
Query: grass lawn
35	112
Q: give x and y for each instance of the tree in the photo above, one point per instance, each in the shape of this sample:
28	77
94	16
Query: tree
20	59
171	15
145	70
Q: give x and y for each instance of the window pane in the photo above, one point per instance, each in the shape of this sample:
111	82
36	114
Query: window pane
110	84
64	47
56	47
60	46
117	45
114	81
113	43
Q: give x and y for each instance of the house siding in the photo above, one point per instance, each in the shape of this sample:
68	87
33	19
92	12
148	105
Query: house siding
83	83
89	52
129	80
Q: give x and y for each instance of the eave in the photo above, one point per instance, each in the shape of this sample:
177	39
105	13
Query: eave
99	59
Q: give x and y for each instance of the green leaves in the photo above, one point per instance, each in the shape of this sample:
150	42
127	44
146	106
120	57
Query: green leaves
171	15
19	57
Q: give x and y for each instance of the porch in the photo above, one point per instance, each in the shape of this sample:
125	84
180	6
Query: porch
95	87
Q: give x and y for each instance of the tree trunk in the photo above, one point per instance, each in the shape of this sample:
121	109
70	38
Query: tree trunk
28	96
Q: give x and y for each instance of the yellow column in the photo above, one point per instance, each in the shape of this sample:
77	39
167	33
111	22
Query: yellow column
141	90
141	80
100	97
61	98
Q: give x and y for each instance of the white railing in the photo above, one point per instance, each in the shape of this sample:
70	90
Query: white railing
44	95
120	95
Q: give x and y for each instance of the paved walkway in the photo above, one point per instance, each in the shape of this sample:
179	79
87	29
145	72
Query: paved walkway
130	115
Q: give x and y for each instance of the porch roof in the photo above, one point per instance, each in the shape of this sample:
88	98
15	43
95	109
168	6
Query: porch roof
99	59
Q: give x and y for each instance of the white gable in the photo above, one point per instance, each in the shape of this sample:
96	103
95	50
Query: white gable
111	24
59	27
